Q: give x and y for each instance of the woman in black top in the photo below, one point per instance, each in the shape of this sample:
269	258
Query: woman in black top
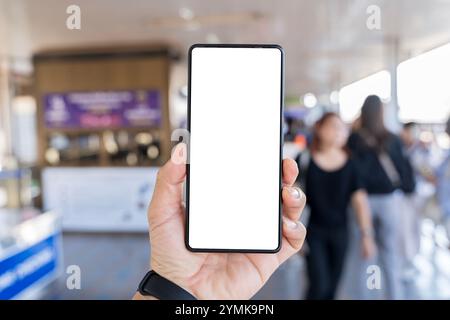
332	183
384	168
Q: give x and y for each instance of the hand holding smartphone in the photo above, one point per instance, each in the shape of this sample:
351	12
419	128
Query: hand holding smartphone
233	186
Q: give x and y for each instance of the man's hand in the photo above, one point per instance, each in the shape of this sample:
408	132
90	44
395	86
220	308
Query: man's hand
216	275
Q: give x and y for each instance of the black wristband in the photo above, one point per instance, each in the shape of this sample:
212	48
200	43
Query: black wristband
155	285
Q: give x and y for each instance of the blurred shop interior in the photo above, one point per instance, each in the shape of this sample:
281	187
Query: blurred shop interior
86	118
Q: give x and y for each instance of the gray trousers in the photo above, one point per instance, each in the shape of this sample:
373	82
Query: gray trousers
386	213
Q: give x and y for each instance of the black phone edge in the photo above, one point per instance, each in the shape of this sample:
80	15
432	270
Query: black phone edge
186	237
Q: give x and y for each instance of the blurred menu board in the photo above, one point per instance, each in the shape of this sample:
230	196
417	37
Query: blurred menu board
102	109
99	199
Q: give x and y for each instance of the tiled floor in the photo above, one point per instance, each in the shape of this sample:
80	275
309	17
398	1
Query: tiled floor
113	264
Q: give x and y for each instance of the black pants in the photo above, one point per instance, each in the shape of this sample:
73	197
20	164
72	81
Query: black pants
325	260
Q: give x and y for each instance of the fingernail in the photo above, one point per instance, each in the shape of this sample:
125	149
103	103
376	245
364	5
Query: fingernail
290	224
294	192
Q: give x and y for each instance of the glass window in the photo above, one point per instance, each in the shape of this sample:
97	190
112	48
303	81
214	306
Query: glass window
423	86
352	96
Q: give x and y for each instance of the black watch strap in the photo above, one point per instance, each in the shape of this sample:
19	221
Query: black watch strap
159	287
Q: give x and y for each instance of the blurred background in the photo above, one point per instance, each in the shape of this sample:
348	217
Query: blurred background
90	92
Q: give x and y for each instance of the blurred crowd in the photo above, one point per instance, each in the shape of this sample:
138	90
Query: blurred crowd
368	190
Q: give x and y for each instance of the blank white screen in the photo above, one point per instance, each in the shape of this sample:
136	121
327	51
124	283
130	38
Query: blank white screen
235	148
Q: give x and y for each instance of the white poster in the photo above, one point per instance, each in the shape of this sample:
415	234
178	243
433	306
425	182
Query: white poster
99	199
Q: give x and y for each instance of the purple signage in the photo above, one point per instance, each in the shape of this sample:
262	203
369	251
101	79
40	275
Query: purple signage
103	109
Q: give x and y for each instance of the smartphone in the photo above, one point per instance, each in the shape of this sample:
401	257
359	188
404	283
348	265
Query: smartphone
233	183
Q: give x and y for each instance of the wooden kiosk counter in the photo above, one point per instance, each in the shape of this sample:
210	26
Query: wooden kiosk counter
103	123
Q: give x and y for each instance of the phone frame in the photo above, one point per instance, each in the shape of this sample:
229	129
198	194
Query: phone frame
186	238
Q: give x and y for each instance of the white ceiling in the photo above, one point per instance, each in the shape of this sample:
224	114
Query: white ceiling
327	42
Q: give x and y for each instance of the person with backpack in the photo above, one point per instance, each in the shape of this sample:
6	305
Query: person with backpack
386	173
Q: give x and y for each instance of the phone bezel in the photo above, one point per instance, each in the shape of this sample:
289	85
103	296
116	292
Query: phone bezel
265	46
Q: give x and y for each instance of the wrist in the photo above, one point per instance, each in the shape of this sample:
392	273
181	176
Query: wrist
174	279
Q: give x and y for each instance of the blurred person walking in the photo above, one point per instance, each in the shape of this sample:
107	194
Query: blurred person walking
385	170
419	155
331	184
443	186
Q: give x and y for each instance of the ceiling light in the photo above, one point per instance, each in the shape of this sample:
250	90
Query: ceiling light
334	97
309	100
186	13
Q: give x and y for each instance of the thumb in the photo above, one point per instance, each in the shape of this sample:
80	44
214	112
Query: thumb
168	193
